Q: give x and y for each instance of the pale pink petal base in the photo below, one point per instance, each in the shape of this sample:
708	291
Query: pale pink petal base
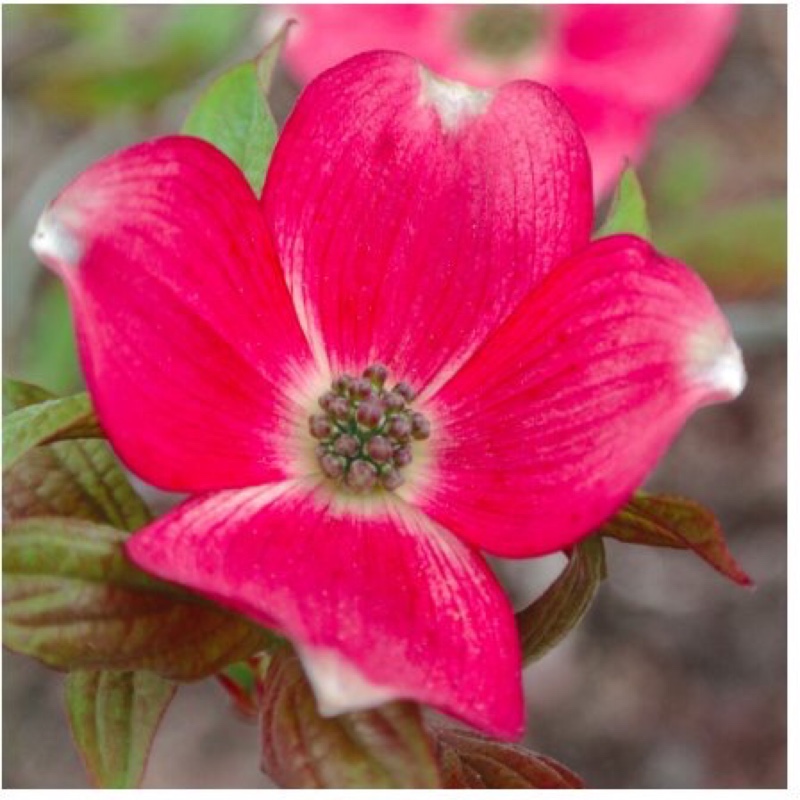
380	601
188	338
562	414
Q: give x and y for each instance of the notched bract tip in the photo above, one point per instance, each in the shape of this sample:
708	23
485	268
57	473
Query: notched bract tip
453	101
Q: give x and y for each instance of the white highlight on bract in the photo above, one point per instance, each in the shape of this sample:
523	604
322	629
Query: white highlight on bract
454	101
338	685
716	361
54	243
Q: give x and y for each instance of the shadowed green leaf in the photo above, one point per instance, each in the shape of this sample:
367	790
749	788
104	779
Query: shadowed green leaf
469	760
74	601
628	212
114	717
664	521
48	421
385	748
549	618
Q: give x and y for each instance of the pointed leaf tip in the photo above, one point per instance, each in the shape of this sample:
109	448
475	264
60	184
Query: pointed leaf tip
233	114
675	522
628	210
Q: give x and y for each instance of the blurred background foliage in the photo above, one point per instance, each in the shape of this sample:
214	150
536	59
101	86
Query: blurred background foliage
674	679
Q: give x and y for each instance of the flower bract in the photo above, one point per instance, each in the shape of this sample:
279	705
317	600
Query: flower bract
617	67
414	298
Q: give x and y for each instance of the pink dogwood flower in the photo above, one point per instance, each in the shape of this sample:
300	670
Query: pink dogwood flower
617	67
407	351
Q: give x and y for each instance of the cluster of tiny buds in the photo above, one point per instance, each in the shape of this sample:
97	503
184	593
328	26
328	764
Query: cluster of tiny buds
366	430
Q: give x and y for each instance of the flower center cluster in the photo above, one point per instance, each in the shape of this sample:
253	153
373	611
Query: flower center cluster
366	431
501	32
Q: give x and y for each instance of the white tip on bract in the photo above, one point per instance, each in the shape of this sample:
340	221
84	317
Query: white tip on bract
452	100
717	363
338	685
54	244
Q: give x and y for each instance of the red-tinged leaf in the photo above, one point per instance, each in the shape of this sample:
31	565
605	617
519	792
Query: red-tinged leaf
114	717
79	478
469	760
240	681
385	748
74	601
664	521
48	421
546	621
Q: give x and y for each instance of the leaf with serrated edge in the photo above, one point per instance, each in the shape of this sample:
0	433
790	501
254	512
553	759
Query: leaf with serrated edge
546	621
49	421
74	601
664	521
80	478
628	213
469	760
114	717
384	748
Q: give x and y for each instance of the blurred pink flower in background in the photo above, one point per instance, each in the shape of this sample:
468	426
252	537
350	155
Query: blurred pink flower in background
617	67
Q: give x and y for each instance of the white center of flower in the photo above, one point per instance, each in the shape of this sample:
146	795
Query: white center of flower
454	101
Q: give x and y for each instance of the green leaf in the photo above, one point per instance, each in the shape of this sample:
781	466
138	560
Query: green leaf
740	252
664	521
49	421
628	213
74	601
385	748
469	760
114	717
546	621
234	116
19	394
78	478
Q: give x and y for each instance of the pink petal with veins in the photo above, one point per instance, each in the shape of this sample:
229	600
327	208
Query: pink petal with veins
189	342
380	602
412	214
554	422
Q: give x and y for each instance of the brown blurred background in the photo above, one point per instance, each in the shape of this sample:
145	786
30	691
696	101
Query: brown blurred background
676	678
